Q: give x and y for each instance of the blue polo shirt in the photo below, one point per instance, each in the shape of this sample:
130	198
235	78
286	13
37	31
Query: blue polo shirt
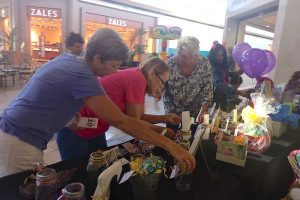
49	100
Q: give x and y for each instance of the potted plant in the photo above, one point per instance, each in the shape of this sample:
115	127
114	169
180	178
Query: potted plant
136	48
9	55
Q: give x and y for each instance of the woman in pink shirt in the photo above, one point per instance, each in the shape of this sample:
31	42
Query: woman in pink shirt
127	89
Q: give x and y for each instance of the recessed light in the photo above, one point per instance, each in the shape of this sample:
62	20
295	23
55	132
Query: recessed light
268	26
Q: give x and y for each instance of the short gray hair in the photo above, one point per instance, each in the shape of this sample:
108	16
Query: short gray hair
188	44
108	44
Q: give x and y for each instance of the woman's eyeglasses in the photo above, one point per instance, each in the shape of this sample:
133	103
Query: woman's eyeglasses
162	81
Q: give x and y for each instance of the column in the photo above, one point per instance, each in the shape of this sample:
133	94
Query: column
234	31
286	40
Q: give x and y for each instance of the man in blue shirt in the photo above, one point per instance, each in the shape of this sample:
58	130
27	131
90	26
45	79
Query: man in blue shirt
56	92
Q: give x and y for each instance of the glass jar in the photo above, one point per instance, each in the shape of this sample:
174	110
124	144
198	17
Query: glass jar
73	191
97	164
183	182
46	187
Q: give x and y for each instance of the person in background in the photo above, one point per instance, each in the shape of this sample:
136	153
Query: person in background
74	42
127	89
291	88
230	61
190	82
57	91
223	92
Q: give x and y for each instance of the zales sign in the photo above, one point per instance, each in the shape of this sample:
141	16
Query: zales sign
116	22
44	12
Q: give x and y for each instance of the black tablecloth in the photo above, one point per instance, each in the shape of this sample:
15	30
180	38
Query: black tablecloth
264	177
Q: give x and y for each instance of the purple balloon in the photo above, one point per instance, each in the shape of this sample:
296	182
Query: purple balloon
254	62
239	50
271	61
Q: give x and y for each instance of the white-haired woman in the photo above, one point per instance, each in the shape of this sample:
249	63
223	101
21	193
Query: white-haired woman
190	82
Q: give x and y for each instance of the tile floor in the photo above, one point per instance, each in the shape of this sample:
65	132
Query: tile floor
113	135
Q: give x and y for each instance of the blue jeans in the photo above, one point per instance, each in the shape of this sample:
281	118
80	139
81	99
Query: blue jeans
71	145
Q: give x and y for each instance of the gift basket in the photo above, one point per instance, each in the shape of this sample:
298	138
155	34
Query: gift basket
294	160
257	126
231	149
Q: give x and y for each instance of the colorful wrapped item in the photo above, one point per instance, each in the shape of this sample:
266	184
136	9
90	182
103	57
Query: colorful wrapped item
148	173
256	124
285	116
294	160
231	149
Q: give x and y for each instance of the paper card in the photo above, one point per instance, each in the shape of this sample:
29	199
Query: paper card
126	176
235	116
174	172
213	122
197	140
212	110
186	120
227	122
206	119
88	122
124	161
206	134
216	125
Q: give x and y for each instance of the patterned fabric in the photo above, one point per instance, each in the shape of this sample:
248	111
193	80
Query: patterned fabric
188	93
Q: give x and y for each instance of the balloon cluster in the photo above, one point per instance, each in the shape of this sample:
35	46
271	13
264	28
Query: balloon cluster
252	61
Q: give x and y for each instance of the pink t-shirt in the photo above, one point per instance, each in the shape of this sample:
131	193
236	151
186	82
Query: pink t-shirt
124	86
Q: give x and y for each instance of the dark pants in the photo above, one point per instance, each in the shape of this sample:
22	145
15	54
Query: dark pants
71	145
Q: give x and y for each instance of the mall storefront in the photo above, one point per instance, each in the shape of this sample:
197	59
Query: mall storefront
43	25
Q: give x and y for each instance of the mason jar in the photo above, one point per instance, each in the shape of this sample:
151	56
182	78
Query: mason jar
46	188
73	191
96	165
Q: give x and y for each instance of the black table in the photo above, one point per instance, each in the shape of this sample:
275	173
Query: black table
224	187
265	176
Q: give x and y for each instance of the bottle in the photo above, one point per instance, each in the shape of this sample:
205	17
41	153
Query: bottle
97	164
73	191
46	184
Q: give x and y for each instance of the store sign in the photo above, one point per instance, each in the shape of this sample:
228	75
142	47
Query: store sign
44	12
116	22
163	32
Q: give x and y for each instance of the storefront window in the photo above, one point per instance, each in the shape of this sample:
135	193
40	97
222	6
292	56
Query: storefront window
127	29
4	28
45	33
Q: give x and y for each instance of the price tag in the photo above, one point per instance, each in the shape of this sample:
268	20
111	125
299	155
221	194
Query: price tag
88	122
206	134
206	119
126	176
174	172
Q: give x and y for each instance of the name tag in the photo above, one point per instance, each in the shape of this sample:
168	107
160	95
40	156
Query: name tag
88	122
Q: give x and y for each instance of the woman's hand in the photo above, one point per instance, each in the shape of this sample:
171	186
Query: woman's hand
170	133
187	162
172	118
